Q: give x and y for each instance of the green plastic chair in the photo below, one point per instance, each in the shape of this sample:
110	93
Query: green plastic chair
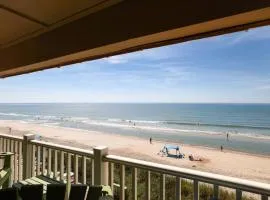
98	192
5	172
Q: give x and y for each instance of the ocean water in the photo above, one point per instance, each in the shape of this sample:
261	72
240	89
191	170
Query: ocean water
248	125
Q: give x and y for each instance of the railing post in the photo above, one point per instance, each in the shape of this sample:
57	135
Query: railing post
216	191
178	188
162	186
122	182
264	197
111	172
27	155
196	190
148	185
84	170
1	150
134	183
238	194
100	167
62	166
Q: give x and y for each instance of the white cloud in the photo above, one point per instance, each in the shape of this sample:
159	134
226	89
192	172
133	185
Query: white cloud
160	53
254	34
117	59
251	35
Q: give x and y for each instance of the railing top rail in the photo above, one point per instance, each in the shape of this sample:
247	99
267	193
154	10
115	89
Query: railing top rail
226	181
12	137
68	149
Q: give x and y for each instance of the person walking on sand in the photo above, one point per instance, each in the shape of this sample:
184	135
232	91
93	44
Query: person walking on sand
221	148
150	140
227	136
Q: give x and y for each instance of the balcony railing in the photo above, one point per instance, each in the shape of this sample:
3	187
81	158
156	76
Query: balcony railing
33	157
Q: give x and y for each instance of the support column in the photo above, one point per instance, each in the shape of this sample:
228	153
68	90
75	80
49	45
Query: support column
27	155
100	167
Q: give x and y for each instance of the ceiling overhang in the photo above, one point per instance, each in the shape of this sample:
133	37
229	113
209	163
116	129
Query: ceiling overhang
113	27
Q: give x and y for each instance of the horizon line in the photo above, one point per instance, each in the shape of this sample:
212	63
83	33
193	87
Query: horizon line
134	102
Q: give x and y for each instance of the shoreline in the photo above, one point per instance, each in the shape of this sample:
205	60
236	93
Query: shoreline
227	149
231	163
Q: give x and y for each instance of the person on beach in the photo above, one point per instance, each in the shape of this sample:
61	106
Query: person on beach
150	140
227	136
221	148
9	129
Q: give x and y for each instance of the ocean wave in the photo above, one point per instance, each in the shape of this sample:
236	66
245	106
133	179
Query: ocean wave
116	120
53	124
14	114
46	117
150	122
160	127
253	135
163	129
197	124
134	120
217	125
74	119
147	121
143	122
171	130
104	123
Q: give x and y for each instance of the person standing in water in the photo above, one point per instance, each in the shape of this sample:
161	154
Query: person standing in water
221	148
227	136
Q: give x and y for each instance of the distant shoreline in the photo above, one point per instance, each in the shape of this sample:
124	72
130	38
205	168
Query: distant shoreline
267	154
164	141
228	103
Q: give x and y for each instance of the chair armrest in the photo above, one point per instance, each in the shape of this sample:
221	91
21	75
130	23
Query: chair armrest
106	189
5	154
7	159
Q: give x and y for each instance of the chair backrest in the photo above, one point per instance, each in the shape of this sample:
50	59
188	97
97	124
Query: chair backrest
5	172
94	192
31	192
7	159
78	192
56	191
9	193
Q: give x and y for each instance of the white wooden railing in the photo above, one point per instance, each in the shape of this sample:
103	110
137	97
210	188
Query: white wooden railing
240	185
59	161
34	157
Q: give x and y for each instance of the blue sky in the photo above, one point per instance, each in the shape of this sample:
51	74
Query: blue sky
233	68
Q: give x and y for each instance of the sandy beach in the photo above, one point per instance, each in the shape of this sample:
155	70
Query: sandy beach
231	163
